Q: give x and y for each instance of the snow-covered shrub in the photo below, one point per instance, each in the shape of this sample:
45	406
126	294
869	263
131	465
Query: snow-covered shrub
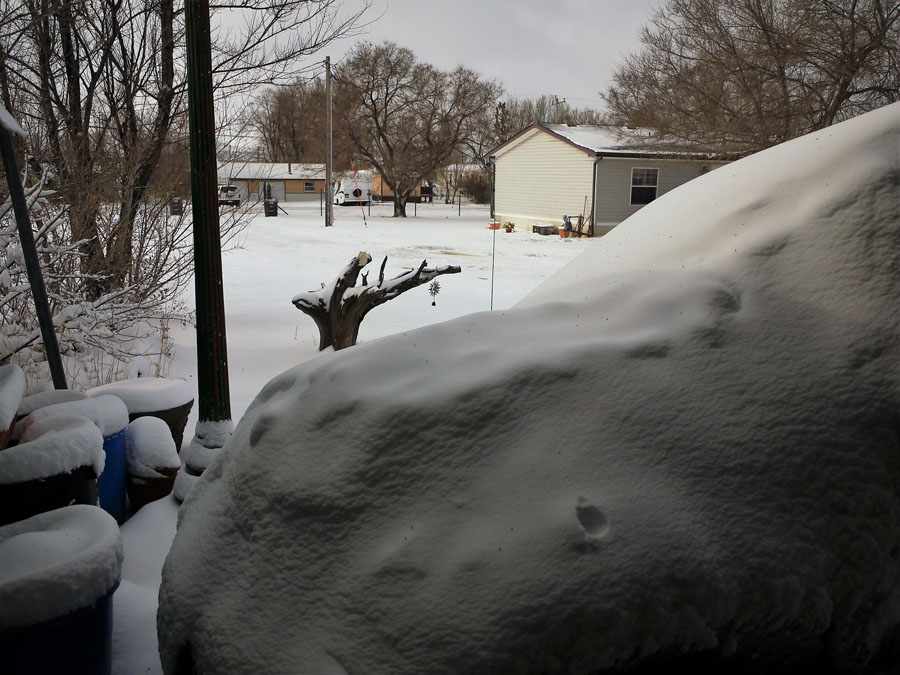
99	337
684	445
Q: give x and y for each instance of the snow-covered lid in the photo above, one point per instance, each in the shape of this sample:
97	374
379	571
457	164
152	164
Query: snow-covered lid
49	397
107	412
12	388
149	446
9	123
147	394
52	445
57	562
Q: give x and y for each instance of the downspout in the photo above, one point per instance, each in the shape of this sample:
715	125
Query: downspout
597	159
493	186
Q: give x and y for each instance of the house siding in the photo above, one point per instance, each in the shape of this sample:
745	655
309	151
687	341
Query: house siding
541	180
613	195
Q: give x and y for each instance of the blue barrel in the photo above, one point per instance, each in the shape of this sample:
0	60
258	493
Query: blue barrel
60	570
111	483
79	643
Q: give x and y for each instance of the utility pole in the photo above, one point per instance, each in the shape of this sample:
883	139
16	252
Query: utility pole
212	354
329	202
556	103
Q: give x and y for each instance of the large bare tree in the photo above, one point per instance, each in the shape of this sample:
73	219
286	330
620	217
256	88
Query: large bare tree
741	75
404	116
99	85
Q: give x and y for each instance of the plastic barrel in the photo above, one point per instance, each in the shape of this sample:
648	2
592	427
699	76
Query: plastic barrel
111	483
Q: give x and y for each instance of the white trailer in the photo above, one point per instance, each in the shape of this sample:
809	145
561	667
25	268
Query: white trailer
351	188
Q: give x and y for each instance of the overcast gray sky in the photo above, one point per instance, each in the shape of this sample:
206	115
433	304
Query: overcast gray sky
533	47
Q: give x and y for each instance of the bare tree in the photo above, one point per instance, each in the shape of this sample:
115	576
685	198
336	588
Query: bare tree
404	116
99	86
508	117
741	75
339	308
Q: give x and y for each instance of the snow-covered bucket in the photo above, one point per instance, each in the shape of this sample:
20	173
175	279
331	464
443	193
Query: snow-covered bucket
12	389
111	417
168	399
60	569
153	462
56	463
42	399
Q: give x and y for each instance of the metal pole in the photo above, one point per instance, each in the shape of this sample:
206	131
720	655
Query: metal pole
329	203
212	353
29	253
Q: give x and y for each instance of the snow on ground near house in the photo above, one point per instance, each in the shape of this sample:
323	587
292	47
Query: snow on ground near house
277	257
696	453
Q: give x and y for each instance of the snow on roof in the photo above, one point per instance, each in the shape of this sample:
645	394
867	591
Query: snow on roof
684	443
270	171
606	140
55	563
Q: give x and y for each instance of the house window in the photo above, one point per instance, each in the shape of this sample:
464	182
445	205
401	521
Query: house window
643	185
309	186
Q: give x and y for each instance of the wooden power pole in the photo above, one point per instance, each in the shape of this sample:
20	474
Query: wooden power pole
212	355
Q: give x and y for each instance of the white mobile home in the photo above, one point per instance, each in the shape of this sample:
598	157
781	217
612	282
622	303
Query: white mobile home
548	171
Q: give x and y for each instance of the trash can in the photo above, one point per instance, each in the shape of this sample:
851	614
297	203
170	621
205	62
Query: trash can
110	415
60	569
176	207
169	399
55	463
270	207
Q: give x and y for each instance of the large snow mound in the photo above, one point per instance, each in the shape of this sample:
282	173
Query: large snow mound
686	443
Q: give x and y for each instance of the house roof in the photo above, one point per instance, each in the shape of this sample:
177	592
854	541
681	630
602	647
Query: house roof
605	141
270	171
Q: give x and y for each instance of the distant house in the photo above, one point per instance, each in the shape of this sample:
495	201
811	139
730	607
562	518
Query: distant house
382	192
285	182
548	171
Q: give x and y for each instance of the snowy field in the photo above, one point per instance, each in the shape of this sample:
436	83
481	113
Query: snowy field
271	261
276	258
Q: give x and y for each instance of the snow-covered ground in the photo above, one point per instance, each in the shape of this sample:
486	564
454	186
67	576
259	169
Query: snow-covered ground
274	259
683	445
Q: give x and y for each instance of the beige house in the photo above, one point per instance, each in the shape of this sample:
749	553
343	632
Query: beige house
382	192
285	182
548	171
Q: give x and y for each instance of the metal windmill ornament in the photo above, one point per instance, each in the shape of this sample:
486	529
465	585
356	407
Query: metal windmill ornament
433	289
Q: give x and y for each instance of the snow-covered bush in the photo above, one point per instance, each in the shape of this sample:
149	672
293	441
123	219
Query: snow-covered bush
99	337
682	448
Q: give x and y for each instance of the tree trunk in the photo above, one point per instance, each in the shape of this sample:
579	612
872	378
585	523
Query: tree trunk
399	206
339	308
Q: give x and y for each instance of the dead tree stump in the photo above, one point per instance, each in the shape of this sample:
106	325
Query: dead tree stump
338	308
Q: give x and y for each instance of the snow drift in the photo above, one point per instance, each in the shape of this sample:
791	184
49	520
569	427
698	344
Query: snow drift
682	448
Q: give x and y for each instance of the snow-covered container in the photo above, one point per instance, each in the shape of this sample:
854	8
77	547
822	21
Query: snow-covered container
59	572
153	461
12	389
111	417
169	399
42	399
55	463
